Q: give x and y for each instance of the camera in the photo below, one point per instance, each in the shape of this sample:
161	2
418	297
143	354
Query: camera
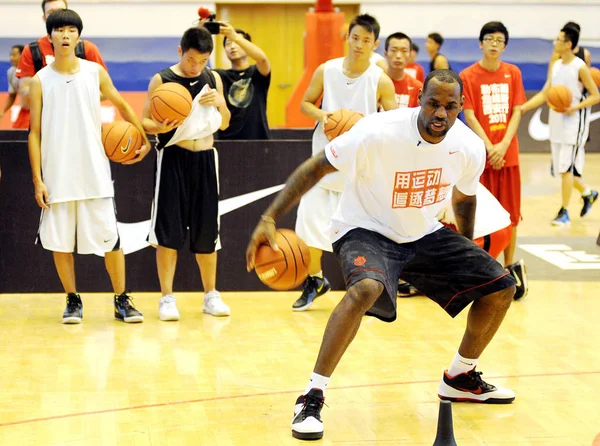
212	26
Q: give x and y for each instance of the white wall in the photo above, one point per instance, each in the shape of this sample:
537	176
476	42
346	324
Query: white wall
462	18
465	18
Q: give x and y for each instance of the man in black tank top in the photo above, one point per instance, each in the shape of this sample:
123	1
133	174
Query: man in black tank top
438	60
579	51
246	86
186	197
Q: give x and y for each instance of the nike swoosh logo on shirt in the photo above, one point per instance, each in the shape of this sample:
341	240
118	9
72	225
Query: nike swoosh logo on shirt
193	83
452	153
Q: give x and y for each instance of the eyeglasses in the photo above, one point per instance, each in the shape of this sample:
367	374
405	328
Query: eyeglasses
498	40
558	39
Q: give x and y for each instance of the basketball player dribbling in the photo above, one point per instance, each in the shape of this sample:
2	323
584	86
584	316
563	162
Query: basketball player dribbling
354	83
71	172
569	130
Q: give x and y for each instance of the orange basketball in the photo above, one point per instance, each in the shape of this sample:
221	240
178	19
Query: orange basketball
559	96
121	140
170	101
284	269
340	122
595	72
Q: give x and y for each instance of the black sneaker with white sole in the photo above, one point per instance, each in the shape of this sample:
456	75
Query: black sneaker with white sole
73	313
307	424
313	287
471	387
125	310
519	272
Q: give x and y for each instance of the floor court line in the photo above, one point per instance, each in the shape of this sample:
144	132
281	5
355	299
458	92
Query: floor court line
281	392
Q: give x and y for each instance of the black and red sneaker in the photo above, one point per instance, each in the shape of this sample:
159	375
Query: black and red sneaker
471	387
307	424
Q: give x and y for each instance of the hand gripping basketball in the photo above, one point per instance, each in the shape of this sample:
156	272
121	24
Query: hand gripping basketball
264	233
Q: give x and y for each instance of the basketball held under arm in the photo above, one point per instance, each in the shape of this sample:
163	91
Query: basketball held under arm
588	82
386	93
149	124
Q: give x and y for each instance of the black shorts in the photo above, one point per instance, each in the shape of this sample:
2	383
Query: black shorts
186	197
445	266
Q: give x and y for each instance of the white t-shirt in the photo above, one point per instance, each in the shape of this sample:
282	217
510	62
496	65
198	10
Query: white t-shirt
397	183
74	164
490	216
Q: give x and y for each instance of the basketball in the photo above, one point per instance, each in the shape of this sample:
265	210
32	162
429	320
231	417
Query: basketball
595	72
559	96
340	122
121	140
170	101
284	269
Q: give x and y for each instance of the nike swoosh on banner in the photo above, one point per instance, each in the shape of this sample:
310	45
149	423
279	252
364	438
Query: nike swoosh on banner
540	131
133	235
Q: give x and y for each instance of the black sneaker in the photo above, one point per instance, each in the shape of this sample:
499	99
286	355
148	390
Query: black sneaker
313	288
307	424
405	289
519	272
588	200
74	310
470	387
125	311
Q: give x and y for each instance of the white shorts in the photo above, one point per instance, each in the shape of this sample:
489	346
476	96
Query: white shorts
314	216
85	226
567	158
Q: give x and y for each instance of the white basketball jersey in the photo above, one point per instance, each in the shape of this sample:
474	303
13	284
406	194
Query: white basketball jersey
574	128
74	164
340	91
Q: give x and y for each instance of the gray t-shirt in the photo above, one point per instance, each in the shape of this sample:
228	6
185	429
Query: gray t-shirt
13	81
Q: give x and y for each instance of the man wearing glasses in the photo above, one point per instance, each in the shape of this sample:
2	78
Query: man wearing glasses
494	94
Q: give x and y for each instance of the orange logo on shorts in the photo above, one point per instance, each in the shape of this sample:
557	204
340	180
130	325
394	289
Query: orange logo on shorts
360	261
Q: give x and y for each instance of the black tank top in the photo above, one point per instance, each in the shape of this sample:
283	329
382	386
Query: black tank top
581	53
193	85
432	63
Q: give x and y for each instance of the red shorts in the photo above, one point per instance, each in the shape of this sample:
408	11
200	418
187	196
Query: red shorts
22	121
505	185
496	242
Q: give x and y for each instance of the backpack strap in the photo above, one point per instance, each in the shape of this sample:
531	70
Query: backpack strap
36	56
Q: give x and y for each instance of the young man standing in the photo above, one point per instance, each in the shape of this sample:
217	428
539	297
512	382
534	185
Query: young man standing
413	68
569	130
494	94
186	197
13	82
401	168
432	45
40	53
245	86
397	53
71	172
354	83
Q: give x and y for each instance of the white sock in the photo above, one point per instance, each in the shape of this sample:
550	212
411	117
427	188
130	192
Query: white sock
586	192
319	274
317	382
461	365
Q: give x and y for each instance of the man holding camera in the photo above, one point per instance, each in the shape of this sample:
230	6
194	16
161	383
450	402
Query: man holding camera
245	86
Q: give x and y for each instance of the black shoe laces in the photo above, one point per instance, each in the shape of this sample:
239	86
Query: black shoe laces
476	377
125	301
72	304
312	407
310	284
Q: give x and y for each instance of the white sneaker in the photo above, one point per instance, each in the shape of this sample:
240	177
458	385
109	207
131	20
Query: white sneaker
167	310
214	305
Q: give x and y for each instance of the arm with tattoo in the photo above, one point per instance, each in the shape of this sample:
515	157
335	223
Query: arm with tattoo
300	181
464	207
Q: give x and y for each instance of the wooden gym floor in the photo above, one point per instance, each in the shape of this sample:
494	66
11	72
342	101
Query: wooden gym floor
233	381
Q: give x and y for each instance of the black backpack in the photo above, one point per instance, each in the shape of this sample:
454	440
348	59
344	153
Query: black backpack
36	54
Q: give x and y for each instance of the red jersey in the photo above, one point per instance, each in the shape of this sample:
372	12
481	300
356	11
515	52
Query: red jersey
407	91
416	71
492	95
26	67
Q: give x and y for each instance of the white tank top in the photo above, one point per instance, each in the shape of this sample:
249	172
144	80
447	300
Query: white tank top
74	164
570	129
340	91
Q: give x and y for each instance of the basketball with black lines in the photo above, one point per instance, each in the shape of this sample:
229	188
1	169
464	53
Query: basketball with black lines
170	101
287	268
339	122
121	140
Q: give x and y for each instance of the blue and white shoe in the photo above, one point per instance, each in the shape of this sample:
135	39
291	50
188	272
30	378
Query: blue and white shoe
562	218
